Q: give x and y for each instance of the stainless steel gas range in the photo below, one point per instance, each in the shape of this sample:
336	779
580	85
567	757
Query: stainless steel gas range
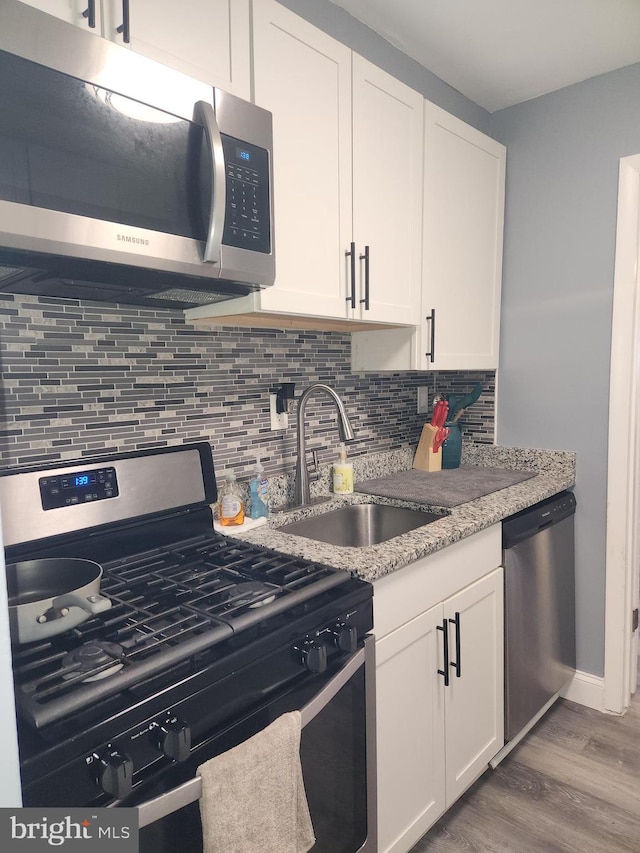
193	643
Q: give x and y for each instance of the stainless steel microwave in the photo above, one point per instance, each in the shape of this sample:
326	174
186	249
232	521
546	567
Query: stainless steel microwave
122	180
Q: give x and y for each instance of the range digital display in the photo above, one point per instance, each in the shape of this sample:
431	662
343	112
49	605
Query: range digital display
78	481
79	487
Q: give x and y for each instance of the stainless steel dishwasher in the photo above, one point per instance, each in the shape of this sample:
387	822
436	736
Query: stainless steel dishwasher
540	645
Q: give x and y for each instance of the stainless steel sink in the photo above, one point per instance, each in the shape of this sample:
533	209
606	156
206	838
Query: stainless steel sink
359	525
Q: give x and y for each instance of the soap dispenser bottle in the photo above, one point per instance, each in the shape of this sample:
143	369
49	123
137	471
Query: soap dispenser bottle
342	473
231	501
259	489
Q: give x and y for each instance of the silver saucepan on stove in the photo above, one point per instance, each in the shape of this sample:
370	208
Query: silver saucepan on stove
50	596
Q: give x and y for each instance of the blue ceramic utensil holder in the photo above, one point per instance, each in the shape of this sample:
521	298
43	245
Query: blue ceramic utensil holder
452	447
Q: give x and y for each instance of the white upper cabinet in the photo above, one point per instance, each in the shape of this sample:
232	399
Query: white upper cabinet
387	194
463	227
304	78
68	10
346	134
463	219
206	39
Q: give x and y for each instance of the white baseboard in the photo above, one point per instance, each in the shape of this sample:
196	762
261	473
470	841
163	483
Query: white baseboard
586	689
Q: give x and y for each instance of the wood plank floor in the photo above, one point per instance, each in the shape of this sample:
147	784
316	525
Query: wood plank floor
572	785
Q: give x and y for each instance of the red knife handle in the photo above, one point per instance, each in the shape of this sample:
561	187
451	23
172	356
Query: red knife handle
441	437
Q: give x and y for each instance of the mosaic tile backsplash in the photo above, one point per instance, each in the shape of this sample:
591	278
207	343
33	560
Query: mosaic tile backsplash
80	379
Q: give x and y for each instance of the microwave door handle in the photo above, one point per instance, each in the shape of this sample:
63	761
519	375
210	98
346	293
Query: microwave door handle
205	115
191	791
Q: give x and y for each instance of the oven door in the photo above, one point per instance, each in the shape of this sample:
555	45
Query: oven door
337	750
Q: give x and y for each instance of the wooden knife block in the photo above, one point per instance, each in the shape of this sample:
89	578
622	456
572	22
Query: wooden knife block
425	459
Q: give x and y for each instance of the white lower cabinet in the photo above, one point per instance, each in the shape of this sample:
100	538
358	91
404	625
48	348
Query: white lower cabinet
410	720
474	699
437	734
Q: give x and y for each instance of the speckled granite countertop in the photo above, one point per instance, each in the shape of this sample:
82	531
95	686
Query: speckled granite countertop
555	472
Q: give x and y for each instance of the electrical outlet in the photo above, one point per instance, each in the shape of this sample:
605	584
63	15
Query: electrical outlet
278	420
423	401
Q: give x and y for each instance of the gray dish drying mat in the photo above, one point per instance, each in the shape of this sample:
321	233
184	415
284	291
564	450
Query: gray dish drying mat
450	487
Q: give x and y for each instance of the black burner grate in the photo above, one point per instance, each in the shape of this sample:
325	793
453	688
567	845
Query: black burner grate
168	604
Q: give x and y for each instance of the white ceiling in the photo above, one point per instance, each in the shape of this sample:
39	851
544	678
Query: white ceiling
502	52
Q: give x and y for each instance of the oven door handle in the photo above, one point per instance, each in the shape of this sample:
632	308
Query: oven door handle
159	807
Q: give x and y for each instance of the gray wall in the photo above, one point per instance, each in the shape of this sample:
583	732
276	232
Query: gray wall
562	179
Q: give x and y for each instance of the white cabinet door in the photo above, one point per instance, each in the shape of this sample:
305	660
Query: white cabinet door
474	710
206	39
68	10
434	740
463	227
409	722
387	194
304	78
344	133
459	328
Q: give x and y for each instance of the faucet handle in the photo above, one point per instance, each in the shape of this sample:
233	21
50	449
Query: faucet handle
314	473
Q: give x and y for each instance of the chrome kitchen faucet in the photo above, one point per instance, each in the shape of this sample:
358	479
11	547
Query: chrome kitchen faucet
301	489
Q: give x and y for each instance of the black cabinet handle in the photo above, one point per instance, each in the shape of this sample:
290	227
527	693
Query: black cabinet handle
456	664
431	318
352	254
365	258
445	641
90	14
124	27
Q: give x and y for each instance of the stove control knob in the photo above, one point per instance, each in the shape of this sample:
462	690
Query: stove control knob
314	656
345	637
173	738
114	772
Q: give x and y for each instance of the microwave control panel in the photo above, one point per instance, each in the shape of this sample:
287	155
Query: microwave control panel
247	220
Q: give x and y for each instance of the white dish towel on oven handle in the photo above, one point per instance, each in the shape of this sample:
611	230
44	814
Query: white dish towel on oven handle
253	798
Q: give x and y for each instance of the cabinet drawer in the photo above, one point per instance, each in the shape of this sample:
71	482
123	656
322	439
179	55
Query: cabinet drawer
410	591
